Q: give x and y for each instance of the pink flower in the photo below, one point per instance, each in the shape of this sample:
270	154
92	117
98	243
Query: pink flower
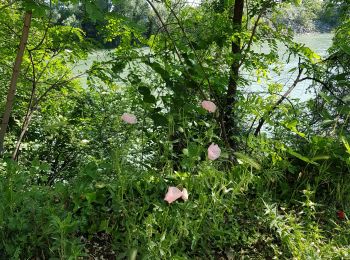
209	106
173	194
214	152
129	118
184	194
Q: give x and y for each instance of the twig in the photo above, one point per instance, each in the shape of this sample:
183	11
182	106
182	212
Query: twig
285	95
251	37
325	86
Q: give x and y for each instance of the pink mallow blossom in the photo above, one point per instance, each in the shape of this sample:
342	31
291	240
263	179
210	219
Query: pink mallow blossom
214	152
209	106
129	118
184	194
175	193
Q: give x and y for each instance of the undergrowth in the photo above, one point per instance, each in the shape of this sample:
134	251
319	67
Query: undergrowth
121	214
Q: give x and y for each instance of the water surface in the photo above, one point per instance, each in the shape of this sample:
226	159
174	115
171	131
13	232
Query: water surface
317	42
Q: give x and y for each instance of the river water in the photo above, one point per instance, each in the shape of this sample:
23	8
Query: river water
317	42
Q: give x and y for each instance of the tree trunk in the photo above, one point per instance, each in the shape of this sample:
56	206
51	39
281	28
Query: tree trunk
231	95
15	75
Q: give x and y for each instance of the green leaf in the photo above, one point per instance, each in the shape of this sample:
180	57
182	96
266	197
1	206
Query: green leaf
159	119
38	9
298	2
245	158
320	157
93	11
134	79
90	197
149	99
346	98
345	48
301	157
144	91
346	144
327	122
118	67
293	127
160	70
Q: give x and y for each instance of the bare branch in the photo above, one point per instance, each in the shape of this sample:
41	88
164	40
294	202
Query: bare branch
285	95
326	86
252	36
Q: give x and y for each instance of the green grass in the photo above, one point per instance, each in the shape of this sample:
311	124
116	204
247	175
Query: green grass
122	213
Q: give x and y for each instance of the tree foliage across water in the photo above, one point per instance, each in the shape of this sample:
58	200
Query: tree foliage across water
77	181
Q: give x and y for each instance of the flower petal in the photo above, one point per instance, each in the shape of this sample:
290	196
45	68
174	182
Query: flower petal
184	194
129	118
209	106
214	152
172	194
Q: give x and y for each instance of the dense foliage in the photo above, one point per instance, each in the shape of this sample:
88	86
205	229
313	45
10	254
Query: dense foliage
95	138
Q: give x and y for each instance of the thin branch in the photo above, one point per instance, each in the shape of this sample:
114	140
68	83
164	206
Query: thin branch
325	86
55	85
29	113
252	36
191	46
164	26
174	43
46	30
10	29
285	95
274	93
